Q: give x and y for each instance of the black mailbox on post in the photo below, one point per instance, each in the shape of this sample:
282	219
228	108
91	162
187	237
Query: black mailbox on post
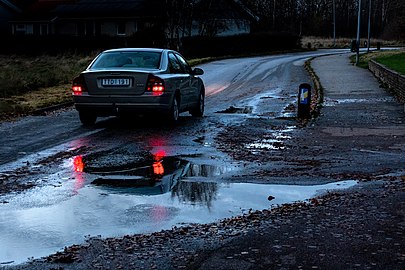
353	46
304	101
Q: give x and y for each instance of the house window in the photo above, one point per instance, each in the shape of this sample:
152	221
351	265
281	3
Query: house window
20	27
121	29
43	30
148	25
24	29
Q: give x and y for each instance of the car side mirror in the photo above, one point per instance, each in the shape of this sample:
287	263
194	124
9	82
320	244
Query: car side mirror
197	71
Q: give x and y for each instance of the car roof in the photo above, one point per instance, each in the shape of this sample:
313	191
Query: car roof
136	50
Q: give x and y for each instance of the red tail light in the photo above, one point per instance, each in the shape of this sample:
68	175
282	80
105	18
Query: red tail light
155	84
78	86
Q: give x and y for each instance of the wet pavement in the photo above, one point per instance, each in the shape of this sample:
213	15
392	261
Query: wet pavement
133	176
248	153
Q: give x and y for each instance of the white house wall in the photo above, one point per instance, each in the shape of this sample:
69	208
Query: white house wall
234	27
111	28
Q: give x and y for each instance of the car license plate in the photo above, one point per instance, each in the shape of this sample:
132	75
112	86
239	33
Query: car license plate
115	82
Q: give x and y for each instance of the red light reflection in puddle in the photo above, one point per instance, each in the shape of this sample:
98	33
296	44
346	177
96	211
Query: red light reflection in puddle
78	164
158	168
78	167
159	213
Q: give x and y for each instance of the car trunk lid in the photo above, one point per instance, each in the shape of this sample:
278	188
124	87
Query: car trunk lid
118	82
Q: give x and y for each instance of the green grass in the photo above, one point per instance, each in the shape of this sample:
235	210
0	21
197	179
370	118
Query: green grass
28	83
22	74
394	59
363	60
342	42
394	62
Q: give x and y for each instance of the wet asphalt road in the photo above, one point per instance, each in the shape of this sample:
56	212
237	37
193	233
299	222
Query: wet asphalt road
59	157
235	82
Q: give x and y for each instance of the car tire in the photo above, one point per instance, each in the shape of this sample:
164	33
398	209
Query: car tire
198	111
87	119
174	111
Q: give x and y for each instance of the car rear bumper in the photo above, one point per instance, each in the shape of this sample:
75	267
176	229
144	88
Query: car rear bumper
116	105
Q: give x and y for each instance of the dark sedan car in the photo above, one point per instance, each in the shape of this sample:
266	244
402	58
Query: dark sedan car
138	81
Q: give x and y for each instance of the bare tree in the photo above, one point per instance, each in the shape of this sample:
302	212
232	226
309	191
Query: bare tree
179	20
315	17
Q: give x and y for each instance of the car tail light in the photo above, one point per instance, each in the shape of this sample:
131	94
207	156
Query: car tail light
79	86
155	84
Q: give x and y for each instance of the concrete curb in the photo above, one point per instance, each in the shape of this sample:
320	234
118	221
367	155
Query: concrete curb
318	89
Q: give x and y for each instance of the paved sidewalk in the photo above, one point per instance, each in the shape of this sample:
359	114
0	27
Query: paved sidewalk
353	95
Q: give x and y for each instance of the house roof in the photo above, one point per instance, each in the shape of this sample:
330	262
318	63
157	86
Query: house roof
49	9
111	8
76	9
10	5
247	10
223	9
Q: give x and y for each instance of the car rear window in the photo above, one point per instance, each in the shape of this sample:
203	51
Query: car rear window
135	60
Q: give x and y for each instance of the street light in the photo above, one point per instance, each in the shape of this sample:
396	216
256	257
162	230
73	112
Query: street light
334	24
369	27
358	34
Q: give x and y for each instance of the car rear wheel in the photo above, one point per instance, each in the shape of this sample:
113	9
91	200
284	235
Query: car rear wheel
198	111
87	119
174	112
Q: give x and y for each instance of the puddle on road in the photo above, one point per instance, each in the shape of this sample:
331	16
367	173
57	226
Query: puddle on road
132	198
43	221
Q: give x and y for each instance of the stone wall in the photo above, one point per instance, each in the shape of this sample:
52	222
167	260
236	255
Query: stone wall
394	80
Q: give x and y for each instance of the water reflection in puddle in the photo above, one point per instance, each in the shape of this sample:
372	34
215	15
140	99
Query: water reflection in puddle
273	141
154	176
43	221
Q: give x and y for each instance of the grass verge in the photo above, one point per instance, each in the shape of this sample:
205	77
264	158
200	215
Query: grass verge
395	62
343	43
394	59
29	83
27	103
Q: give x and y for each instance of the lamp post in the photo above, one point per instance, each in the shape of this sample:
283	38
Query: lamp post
369	26
358	34
334	24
